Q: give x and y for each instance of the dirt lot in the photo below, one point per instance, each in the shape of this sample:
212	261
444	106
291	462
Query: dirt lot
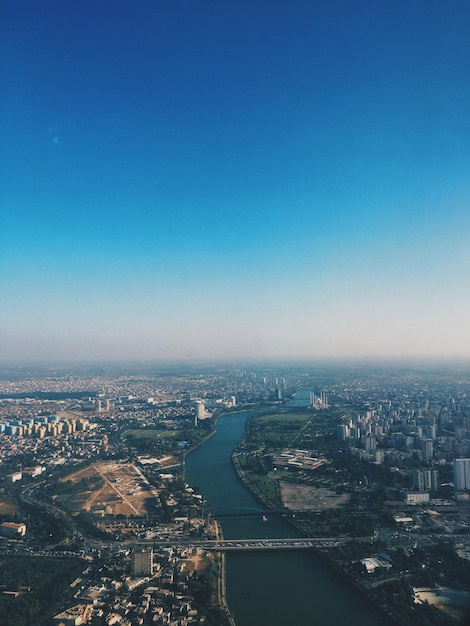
7	508
196	563
123	489
306	497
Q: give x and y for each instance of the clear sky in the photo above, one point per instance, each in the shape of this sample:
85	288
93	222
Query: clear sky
234	179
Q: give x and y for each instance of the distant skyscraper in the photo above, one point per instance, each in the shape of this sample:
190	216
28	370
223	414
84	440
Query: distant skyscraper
427	448
461	474
200	410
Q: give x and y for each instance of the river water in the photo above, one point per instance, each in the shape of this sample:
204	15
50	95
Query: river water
269	588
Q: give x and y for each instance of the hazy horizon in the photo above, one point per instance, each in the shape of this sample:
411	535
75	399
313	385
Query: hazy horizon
189	181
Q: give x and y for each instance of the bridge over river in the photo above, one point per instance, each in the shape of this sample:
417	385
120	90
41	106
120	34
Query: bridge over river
251	512
239	545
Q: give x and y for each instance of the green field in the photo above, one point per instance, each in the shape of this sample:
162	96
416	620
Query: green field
150	433
285	417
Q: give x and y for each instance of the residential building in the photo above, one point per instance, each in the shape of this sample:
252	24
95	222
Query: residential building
461	474
142	563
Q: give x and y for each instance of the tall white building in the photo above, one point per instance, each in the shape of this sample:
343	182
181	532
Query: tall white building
200	410
461	474
324	399
201	413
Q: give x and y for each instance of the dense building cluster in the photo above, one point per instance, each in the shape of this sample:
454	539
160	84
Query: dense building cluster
51	426
413	430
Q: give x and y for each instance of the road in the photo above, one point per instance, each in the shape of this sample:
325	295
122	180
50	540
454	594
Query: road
232	545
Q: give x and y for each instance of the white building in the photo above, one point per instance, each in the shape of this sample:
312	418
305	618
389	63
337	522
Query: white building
10	529
461	474
13	478
417	497
201	413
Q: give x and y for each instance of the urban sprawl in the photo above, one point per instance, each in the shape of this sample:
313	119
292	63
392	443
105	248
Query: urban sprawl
370	464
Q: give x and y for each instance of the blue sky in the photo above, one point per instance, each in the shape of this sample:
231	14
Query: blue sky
234	179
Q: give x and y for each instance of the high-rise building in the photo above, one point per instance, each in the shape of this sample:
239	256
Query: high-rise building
461	474
200	410
379	456
342	432
425	479
427	448
409	443
430	431
142	563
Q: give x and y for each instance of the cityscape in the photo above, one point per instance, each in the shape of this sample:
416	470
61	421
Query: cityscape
368	466
234	313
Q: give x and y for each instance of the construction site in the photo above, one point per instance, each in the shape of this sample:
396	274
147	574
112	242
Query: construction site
111	488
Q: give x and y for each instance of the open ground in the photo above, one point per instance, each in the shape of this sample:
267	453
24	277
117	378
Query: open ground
306	496
121	489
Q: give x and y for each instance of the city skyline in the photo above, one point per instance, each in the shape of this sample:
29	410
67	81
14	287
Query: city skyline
234	181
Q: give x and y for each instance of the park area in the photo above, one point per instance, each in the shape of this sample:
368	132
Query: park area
299	417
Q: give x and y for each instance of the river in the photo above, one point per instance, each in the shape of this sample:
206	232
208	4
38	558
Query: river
269	588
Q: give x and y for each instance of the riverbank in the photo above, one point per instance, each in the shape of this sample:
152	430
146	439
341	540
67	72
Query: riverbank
338	568
222	595
221	603
222	581
247	483
275	588
333	564
209	434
